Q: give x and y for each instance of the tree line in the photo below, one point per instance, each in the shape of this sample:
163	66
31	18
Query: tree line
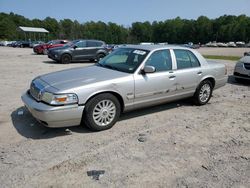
175	31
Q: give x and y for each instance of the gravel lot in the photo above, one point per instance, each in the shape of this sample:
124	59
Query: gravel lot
172	145
223	51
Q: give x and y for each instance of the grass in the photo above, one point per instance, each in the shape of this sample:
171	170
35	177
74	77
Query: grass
231	58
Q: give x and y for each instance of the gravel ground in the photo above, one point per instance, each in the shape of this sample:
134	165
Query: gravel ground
223	51
171	145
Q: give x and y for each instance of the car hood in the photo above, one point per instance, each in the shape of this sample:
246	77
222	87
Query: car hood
245	59
76	77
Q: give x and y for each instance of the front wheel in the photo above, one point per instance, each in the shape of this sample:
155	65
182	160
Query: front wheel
203	93
66	58
102	112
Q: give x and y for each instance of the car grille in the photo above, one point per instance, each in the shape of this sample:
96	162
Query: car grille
247	66
36	91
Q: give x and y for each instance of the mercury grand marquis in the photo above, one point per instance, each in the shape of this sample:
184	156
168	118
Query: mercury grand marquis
131	77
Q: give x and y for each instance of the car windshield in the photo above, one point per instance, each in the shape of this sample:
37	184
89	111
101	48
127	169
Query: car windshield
124	59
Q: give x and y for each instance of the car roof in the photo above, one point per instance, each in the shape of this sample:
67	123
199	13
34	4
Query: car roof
155	47
89	40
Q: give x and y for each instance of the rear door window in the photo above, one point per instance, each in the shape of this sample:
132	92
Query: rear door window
185	59
94	44
91	44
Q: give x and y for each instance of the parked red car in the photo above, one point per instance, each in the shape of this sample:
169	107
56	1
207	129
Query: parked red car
43	48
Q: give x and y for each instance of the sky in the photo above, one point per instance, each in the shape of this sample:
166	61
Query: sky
124	12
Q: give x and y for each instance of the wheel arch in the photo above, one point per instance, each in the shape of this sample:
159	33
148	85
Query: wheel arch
100	53
209	78
116	94
66	53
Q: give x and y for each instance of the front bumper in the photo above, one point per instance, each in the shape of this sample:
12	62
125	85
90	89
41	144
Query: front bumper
241	72
55	57
53	116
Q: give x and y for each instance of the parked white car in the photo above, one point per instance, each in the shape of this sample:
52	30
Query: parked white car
231	44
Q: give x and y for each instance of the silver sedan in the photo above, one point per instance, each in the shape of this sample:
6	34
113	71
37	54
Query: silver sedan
129	78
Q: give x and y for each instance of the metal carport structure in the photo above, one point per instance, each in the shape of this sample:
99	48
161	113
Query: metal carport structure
32	32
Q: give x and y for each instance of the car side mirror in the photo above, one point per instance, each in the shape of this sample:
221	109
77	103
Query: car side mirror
74	46
148	69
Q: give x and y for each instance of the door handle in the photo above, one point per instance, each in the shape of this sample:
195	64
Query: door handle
172	77
199	73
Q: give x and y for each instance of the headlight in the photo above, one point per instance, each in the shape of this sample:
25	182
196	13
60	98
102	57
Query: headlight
60	99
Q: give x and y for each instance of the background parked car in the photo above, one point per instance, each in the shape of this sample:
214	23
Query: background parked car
221	44
247	54
43	48
21	44
240	44
35	43
192	45
79	50
211	44
231	44
242	69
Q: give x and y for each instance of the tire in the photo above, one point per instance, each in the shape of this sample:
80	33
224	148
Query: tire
99	57
203	93
101	112
65	59
91	60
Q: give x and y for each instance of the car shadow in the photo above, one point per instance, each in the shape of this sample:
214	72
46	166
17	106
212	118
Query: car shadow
27	126
155	109
231	80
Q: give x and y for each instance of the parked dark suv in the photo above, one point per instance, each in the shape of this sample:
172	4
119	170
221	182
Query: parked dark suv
79	50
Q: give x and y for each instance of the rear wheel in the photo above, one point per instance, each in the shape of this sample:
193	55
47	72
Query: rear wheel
66	58
203	93
102	112
99	57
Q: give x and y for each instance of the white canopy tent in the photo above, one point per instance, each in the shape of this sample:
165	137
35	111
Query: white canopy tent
34	33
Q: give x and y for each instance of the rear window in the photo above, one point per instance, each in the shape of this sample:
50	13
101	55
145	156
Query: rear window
94	43
186	59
